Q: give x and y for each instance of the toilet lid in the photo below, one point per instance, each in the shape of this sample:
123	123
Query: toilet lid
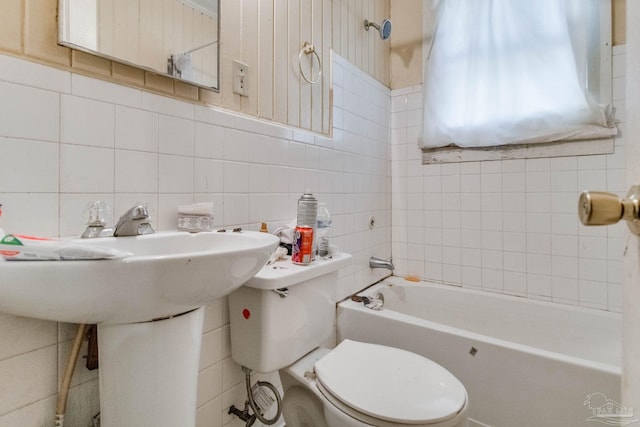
390	384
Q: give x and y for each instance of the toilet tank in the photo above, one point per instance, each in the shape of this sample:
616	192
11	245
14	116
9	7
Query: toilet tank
284	312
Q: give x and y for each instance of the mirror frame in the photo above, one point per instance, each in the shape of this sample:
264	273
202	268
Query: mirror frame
64	30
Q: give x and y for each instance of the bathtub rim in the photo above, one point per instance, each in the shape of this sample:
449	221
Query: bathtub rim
440	327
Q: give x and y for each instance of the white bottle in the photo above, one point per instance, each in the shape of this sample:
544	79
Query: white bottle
324	224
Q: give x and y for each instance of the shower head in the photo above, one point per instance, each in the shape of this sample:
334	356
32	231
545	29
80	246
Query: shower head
384	28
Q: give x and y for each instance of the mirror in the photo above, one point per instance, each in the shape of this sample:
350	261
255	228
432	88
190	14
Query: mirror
178	38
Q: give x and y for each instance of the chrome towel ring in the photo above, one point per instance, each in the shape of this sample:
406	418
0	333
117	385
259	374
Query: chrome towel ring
308	49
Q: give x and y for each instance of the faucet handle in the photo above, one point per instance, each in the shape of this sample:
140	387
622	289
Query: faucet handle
95	214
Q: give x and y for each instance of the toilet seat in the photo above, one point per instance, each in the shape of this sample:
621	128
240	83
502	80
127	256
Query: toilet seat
375	383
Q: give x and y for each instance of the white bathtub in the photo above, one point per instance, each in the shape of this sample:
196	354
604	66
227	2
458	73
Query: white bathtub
523	362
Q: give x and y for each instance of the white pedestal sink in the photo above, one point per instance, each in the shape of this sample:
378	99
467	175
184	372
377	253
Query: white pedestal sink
148	308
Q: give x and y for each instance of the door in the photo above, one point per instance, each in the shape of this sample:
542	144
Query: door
631	310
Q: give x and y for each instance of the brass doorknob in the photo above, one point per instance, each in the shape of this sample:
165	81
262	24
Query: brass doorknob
601	208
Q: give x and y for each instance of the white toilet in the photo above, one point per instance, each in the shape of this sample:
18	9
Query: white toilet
281	316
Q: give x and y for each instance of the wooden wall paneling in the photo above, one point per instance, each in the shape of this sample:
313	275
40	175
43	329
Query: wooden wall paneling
178	28
181	23
197	40
367	13
280	60
295	44
384	68
209	34
231	12
131	21
210	54
360	14
344	28
328	10
619	18
373	41
361	7
376	45
379	48
159	31
105	26
213	51
335	26
120	29
355	11
306	35
168	38
318	41
205	36
266	59
249	105
151	35
11	25
351	53
268	36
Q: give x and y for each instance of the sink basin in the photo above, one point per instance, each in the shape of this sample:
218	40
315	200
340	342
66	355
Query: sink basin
168	273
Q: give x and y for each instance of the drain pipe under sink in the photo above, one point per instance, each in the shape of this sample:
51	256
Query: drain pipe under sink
63	393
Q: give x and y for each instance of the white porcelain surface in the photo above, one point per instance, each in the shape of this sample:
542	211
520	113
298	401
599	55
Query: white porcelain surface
149	372
529	346
401	386
284	274
269	332
169	273
303	395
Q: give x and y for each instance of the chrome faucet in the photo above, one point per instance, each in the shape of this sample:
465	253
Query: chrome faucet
134	222
380	263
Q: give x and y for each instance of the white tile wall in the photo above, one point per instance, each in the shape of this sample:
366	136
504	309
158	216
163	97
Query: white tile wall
507	226
67	139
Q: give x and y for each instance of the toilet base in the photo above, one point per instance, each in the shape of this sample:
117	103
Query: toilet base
300	407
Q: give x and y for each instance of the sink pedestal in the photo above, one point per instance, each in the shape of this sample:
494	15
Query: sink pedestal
149	372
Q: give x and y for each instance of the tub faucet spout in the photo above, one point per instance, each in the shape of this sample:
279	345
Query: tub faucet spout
134	222
381	263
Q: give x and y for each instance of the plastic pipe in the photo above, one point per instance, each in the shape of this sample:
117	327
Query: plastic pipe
63	393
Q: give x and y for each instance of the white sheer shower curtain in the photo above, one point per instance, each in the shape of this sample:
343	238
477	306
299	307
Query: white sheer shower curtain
511	72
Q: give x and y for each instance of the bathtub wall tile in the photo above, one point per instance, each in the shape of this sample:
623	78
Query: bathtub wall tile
508	226
74	139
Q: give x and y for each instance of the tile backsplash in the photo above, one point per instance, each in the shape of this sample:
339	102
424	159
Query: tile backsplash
507	226
67	139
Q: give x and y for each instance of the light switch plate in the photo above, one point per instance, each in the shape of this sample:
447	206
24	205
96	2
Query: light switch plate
240	78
